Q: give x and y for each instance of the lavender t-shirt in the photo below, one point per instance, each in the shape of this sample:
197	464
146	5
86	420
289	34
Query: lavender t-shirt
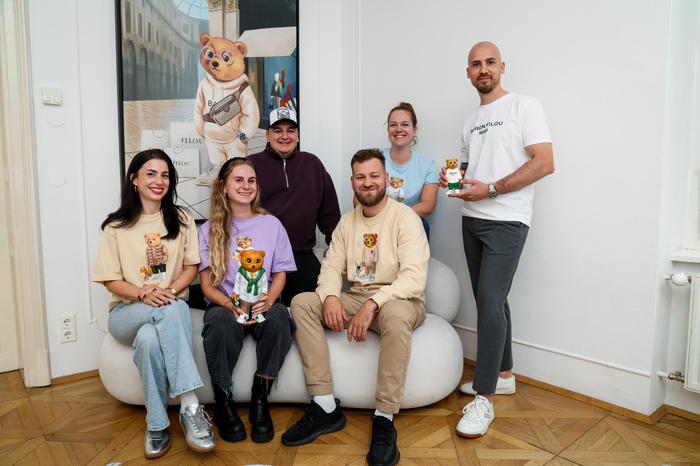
262	232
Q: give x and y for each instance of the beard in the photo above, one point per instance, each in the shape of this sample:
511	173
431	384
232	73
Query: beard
485	87
369	200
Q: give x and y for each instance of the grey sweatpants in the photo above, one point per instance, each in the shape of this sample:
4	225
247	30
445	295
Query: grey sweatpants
492	249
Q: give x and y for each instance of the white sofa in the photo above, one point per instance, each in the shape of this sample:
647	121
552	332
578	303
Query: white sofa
434	371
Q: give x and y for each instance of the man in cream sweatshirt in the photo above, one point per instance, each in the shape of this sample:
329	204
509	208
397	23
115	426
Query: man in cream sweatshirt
381	248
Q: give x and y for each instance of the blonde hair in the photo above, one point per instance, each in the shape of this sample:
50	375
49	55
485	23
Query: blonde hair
221	219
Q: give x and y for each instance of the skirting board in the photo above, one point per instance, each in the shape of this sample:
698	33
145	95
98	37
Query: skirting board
682	413
75	377
615	384
651	419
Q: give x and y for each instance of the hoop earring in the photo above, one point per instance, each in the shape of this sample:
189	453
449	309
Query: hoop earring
136	189
225	195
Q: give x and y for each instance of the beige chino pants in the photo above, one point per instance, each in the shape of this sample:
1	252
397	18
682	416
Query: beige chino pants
394	323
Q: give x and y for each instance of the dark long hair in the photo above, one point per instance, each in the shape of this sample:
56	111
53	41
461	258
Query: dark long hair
130	207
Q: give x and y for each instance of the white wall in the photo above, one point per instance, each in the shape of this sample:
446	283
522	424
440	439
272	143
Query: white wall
682	144
590	308
589	294
329	106
73	48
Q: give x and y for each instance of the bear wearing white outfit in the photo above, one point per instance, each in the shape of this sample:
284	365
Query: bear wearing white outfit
250	285
226	112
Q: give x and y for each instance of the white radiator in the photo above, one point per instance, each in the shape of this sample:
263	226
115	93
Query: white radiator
692	361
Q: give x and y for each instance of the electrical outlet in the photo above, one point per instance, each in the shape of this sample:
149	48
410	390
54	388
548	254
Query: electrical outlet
68	336
67	321
66	328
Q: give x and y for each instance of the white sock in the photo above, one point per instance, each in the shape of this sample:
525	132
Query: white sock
326	402
389	416
188	399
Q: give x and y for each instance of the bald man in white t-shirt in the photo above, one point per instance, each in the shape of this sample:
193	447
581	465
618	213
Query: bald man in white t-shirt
507	146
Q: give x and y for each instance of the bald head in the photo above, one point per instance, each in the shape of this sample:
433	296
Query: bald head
485	48
484	69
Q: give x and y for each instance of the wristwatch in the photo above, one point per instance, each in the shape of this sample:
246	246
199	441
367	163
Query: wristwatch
492	191
173	291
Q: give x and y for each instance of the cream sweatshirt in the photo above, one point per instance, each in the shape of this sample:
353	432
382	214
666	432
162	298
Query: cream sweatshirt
385	256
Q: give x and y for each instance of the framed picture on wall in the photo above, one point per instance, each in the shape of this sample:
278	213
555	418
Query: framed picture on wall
198	79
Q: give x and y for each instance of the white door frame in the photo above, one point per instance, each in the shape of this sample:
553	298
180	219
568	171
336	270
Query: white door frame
17	143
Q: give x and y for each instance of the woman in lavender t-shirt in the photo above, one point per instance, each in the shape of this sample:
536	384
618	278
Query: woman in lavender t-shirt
245	256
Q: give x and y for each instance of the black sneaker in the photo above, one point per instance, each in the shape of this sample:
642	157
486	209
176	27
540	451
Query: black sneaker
382	450
314	423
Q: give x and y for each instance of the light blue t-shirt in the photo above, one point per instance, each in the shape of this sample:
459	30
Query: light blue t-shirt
419	171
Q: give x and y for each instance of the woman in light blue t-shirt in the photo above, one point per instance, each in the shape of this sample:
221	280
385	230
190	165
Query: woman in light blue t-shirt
413	178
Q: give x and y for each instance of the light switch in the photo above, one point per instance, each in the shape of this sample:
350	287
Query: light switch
51	96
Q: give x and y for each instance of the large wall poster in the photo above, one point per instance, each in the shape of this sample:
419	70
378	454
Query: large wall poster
199	78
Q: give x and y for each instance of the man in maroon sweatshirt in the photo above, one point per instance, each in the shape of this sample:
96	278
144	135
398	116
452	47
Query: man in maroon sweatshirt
297	189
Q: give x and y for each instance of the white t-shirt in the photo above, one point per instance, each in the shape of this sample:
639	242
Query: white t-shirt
494	139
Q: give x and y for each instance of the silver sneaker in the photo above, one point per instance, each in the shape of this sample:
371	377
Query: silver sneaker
156	443
197	427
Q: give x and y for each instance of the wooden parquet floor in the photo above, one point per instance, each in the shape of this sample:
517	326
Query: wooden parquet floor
80	423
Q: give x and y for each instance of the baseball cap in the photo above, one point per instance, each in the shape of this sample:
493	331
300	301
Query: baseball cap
282	114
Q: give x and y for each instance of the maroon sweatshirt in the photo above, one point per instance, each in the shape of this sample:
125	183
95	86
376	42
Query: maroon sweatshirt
300	193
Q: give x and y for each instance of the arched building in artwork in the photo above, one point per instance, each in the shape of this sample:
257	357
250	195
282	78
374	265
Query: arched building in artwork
160	48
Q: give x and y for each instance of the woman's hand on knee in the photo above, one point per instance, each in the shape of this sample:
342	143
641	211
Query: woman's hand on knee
157	297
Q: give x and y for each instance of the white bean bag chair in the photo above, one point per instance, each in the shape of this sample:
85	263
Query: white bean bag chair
435	368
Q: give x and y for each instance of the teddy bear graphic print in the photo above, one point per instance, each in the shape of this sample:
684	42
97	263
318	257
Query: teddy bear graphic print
156	258
366	268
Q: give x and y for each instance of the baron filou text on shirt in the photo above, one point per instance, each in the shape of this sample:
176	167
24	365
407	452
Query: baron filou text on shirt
485	127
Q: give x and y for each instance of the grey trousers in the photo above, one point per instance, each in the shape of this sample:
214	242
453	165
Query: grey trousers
492	249
223	341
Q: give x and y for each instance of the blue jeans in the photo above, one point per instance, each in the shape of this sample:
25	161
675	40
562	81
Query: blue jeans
162	342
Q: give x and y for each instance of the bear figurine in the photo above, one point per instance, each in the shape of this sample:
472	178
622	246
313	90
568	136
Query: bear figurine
453	175
250	285
226	112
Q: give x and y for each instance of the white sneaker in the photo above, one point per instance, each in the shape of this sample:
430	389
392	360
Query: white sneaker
503	387
477	418
208	178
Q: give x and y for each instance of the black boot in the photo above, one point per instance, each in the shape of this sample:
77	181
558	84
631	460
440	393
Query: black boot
230	426
259	414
